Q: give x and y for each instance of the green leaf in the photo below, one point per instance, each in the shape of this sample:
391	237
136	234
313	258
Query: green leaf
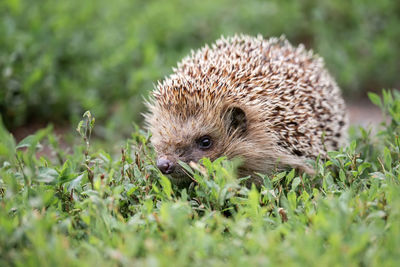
186	167
131	190
46	175
375	99
7	143
387	158
292	200
290	176
66	174
28	141
352	147
278	177
166	185
296	183
75	182
342	175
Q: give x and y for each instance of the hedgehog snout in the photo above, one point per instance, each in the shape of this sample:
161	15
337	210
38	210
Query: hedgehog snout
165	165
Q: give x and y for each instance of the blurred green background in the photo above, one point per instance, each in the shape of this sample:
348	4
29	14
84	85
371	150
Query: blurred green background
60	58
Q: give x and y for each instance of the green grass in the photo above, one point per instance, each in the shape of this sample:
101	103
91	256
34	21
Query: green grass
91	207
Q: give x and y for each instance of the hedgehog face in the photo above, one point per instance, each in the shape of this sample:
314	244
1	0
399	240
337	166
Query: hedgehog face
192	138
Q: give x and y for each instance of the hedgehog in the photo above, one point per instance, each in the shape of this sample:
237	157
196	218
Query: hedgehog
270	104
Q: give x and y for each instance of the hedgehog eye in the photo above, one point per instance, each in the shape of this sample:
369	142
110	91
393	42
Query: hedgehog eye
204	142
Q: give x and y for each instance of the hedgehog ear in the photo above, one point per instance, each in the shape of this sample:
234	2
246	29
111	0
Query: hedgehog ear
236	120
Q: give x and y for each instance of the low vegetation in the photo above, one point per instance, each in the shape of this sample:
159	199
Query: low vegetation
90	207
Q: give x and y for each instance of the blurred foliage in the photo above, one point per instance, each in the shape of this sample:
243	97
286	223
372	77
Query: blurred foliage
93	208
59	58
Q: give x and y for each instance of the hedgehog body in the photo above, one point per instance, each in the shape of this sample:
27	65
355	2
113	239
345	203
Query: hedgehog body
265	101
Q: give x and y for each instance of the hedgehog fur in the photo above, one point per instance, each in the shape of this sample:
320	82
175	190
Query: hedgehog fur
266	102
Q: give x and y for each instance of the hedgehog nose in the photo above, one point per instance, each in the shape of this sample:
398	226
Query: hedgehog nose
166	166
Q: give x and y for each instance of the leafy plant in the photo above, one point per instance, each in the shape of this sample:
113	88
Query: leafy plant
91	207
